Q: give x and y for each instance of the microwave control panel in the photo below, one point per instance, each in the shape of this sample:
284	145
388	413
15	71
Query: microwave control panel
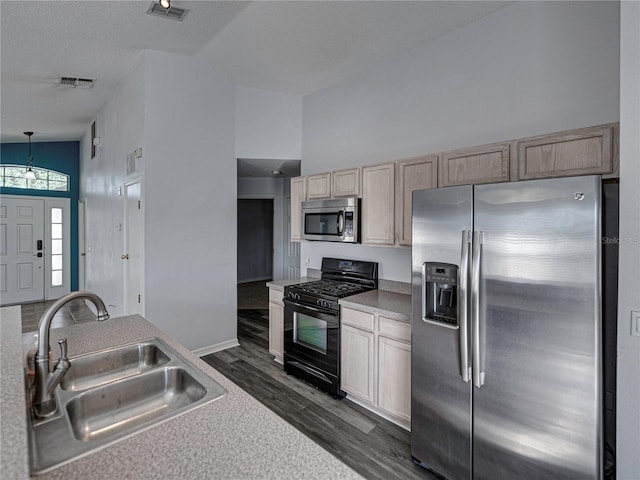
348	224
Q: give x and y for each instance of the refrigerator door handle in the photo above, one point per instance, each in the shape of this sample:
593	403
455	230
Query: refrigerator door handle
465	367
476	262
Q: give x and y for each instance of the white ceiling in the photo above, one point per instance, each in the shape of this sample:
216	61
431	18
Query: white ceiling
294	47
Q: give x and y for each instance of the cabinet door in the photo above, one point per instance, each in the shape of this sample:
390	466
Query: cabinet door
585	151
346	183
319	186
413	174
485	164
276	331
378	204
394	378
298	195
356	362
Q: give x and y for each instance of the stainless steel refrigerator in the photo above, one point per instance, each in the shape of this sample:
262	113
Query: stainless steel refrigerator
506	339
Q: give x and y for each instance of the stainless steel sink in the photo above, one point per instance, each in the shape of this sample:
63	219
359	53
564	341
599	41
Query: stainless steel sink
104	411
107	366
114	394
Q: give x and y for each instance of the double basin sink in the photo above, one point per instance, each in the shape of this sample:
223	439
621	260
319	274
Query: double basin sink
112	394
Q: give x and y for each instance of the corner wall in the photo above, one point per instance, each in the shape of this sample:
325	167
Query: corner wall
120	126
190	190
628	370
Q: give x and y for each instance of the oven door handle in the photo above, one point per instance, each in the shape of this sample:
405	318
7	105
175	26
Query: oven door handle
304	306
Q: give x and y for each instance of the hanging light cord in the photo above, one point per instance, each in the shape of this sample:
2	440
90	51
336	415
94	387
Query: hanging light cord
29	174
29	157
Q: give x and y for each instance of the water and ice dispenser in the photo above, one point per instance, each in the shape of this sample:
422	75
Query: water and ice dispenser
440	294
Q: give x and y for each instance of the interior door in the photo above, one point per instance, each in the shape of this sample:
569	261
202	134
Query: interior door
21	250
134	248
537	414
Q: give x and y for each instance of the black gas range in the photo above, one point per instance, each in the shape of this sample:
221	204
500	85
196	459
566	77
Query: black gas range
312	320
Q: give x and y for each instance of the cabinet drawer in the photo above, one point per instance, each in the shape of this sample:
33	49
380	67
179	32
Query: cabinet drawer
357	319
395	329
275	296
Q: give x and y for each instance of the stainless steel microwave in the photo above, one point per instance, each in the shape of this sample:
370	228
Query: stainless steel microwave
334	220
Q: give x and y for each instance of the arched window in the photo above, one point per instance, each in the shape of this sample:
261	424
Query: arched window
12	176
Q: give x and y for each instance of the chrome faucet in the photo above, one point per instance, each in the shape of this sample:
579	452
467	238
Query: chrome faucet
44	402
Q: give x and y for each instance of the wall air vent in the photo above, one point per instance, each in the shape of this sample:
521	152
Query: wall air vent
76	82
174	13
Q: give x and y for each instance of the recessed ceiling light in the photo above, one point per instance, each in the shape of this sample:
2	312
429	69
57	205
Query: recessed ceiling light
171	12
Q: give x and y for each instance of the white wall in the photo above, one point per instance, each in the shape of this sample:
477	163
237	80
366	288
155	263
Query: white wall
120	126
270	188
190	200
268	124
527	69
628	408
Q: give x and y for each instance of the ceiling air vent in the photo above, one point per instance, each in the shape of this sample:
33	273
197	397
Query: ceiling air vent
174	13
76	82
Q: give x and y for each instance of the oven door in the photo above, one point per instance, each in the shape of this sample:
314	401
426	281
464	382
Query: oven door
312	336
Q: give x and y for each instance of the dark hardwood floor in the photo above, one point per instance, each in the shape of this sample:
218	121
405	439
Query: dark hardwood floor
372	446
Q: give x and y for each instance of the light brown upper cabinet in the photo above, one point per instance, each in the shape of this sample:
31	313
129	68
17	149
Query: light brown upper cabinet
378	192
319	186
413	174
484	164
346	183
585	151
298	195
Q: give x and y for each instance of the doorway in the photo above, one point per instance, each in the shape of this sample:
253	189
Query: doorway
134	248
255	251
255	240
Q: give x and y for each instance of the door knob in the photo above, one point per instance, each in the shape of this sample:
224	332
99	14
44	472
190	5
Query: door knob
125	256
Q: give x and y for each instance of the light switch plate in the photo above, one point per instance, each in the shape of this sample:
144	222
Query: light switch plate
635	323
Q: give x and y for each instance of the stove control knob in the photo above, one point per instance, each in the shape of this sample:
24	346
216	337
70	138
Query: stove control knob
323	303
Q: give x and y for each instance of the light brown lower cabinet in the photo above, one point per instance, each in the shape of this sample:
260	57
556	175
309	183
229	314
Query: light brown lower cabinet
276	325
375	356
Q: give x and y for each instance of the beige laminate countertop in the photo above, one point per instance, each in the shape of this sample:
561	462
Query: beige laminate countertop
235	437
390	304
280	284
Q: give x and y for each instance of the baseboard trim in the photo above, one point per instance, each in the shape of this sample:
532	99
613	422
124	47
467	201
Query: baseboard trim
380	413
218	347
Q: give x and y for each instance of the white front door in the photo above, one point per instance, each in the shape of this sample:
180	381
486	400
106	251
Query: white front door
134	248
21	250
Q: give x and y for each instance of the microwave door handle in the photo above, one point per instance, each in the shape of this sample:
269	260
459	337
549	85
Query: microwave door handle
340	223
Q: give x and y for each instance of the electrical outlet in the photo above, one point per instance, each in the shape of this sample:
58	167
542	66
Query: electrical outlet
635	323
308	261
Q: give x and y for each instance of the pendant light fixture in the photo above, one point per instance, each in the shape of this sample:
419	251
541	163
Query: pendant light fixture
29	174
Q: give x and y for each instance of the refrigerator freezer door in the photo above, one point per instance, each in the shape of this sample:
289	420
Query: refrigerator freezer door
537	414
441	399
